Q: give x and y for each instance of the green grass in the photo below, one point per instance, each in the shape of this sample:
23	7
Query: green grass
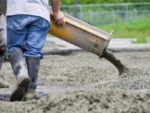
139	29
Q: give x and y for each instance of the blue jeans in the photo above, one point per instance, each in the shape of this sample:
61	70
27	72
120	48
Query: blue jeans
28	33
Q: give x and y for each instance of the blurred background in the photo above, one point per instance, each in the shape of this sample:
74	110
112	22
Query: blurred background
126	18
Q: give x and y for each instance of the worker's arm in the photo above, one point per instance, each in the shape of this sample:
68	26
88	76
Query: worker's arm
3	6
57	14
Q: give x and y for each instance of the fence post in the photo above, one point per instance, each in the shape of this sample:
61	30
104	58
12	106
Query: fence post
113	16
135	13
126	13
76	8
91	16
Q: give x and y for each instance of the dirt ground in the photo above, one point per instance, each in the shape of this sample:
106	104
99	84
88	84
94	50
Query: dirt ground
83	83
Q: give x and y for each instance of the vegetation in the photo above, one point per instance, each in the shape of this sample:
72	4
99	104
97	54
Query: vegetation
67	2
139	29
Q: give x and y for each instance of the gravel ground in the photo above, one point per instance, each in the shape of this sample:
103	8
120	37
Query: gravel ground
83	83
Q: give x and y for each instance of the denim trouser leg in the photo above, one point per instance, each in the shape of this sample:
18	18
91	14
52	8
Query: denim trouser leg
27	32
36	36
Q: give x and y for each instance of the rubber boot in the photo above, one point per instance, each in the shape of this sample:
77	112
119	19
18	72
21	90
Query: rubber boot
33	69
19	66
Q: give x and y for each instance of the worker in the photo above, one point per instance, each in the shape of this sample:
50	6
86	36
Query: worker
28	22
3	33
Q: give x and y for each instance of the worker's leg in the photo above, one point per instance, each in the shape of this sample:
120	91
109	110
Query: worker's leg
33	68
16	38
35	41
3	31
19	66
33	64
36	36
3	38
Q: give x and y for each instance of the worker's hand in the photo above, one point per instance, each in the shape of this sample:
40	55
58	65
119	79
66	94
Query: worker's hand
58	19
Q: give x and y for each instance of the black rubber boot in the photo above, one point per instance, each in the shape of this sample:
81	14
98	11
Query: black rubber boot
33	65
19	66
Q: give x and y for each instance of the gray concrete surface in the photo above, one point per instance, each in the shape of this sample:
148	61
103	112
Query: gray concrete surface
56	44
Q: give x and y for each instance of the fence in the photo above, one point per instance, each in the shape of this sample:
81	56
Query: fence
102	14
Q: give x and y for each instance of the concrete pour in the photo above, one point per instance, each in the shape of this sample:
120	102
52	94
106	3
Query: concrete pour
80	82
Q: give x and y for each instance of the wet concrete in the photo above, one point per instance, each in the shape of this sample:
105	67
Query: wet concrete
115	61
82	83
